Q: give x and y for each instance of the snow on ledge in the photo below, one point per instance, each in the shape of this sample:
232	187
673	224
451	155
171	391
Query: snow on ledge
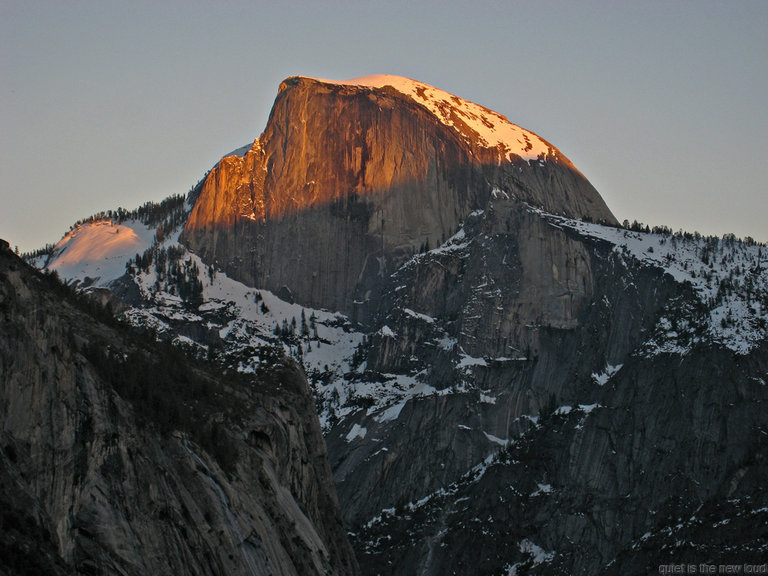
357	431
608	373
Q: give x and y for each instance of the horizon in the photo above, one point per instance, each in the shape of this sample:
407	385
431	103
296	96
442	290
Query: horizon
659	106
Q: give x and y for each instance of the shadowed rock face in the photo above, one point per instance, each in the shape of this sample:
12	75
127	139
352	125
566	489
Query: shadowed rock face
347	181
653	471
518	301
588	473
96	479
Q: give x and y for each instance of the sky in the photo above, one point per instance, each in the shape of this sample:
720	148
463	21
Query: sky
662	105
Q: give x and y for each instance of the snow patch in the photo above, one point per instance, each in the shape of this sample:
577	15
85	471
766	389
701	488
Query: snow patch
539	555
608	373
468	361
387	332
587	408
419	316
497	194
357	431
542	489
455	243
496	439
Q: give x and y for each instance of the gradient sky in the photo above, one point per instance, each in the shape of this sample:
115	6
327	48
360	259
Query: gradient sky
662	105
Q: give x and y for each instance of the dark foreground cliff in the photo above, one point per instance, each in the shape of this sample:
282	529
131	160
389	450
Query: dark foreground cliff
120	456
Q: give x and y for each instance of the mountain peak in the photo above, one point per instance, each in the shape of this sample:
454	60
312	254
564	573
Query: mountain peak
475	123
353	177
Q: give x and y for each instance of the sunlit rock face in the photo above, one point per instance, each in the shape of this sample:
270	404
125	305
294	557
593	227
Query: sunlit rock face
351	178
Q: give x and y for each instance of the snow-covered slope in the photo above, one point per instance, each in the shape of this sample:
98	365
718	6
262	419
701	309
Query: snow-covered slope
96	252
729	277
474	122
248	323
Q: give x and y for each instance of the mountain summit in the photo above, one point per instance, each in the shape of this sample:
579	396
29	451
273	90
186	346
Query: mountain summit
476	124
352	177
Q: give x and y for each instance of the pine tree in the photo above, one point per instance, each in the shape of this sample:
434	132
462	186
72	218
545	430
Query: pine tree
304	327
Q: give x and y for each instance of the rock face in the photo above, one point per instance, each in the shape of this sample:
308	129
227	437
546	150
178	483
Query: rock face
349	179
654	471
523	391
561	439
118	457
496	322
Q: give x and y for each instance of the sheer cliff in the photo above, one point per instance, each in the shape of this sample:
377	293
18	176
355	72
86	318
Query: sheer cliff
590	413
121	456
349	179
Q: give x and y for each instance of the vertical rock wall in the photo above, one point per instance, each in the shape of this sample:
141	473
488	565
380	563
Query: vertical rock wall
346	182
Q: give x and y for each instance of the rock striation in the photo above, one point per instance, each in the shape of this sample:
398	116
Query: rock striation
118	456
350	179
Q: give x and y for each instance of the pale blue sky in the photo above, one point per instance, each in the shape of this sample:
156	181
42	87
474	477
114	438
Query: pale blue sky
662	105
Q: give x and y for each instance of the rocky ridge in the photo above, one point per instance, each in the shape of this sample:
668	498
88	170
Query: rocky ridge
119	457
